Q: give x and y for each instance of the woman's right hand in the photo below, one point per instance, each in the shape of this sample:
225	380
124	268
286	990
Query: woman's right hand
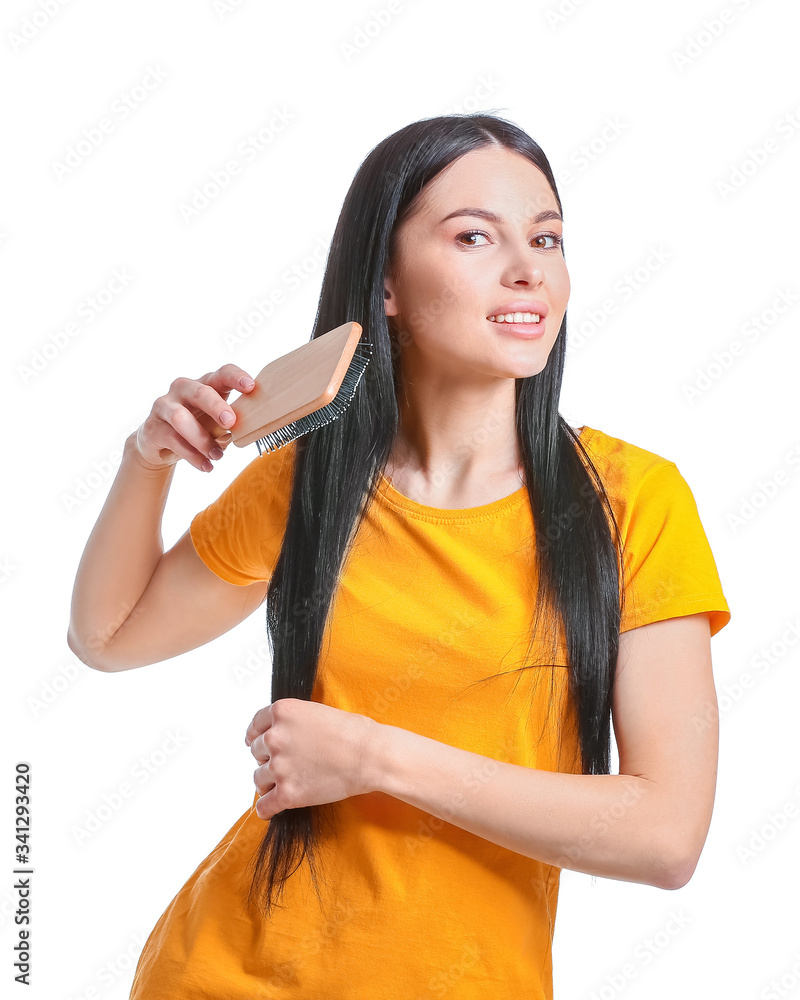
172	430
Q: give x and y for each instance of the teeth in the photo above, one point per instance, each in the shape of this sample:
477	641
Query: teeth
516	318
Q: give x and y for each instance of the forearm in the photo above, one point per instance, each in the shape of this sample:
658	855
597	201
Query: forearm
120	556
616	825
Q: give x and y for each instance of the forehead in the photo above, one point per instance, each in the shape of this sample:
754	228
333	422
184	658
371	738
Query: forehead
492	178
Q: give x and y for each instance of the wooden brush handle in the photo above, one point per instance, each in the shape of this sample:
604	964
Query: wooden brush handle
290	387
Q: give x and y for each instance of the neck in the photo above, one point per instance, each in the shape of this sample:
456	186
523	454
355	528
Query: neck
456	435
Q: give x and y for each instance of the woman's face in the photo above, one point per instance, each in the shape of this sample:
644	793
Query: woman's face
451	274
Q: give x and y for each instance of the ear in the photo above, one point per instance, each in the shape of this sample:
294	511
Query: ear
390	296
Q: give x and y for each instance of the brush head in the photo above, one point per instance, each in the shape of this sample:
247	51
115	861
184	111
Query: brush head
298	392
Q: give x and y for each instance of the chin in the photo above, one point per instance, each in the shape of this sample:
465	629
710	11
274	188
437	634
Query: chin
523	368
531	359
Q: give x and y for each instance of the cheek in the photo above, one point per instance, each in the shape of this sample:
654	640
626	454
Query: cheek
560	283
421	283
435	297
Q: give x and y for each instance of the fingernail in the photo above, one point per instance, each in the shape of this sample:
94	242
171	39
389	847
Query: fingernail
226	417
246	383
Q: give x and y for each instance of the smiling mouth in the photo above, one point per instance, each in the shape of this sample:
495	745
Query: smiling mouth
518	317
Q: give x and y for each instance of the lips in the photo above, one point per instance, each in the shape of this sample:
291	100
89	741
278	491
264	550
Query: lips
521	305
523	330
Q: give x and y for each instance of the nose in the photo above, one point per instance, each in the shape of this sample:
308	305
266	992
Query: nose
524	267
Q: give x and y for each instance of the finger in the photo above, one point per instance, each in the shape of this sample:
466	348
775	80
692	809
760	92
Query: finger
171	439
204	397
262	721
230	377
263	780
270	803
266	805
195	433
259	750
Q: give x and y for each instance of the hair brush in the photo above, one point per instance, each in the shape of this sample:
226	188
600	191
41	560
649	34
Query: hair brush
298	392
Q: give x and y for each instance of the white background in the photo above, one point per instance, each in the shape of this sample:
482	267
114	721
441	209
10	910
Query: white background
673	123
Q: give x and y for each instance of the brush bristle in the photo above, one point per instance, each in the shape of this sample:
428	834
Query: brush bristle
347	390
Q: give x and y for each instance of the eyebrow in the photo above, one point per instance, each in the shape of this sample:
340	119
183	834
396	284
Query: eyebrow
483	213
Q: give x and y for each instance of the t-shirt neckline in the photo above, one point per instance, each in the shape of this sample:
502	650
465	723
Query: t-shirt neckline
400	501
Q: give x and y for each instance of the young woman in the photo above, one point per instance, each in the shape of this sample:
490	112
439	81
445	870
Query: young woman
461	593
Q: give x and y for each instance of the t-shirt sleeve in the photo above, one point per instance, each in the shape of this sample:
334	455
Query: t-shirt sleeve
669	569
239	535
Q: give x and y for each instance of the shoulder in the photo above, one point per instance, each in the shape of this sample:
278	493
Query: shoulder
669	568
654	506
269	471
274	467
239	534
622	465
259	493
643	487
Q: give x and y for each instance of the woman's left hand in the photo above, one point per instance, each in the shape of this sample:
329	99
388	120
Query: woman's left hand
309	754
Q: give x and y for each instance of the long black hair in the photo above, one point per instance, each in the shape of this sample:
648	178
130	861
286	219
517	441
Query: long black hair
337	470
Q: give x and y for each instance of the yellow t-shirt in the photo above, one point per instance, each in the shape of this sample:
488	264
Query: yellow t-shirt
430	601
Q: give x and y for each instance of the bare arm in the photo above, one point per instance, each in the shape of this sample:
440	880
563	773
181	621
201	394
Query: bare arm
112	626
120	557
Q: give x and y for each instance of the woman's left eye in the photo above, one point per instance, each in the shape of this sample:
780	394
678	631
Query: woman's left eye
557	240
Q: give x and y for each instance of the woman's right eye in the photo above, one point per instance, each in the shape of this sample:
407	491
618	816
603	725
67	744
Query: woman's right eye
471	232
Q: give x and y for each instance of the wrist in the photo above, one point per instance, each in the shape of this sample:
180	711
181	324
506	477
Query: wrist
133	453
377	756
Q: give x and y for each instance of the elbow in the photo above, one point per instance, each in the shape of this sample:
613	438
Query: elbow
678	877
84	654
677	867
